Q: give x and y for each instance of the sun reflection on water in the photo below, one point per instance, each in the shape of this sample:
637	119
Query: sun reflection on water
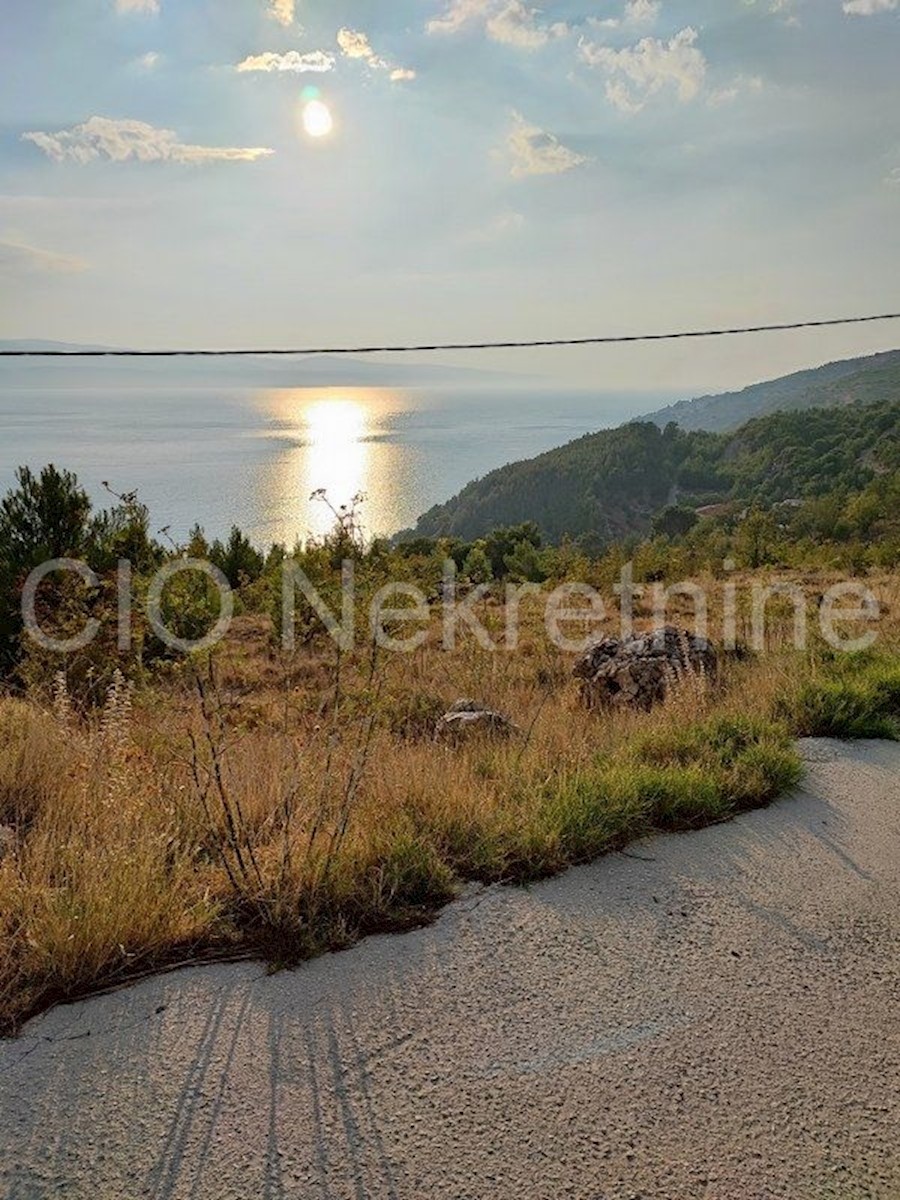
334	439
337	450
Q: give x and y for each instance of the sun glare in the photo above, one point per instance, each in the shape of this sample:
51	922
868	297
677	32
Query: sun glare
317	119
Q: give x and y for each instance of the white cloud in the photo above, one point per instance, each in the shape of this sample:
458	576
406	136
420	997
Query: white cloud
533	151
137	6
638	72
894	178
148	61
19	257
510	22
282	11
868	8
636	14
514	24
355	44
739	87
459	14
292	60
779	8
119	141
641	12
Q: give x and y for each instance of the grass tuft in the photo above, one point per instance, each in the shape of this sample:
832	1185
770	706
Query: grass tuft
859	698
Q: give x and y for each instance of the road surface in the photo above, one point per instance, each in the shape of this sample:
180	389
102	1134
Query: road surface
715	1015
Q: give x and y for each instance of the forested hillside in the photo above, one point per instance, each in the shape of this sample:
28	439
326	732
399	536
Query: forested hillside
610	485
855	380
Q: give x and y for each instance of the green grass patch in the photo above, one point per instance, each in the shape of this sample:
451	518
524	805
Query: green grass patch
678	779
857	696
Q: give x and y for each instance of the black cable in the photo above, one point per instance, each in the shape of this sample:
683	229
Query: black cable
523	345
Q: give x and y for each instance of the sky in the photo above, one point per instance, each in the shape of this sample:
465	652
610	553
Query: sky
492	171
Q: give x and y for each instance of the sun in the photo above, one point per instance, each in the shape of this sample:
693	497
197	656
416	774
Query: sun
317	119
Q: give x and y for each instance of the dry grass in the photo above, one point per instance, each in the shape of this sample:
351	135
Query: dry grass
285	807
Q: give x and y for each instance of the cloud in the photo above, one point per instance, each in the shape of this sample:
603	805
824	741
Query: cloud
868	8
137	6
119	141
641	12
536	152
785	9
355	44
894	178
739	87
282	11
292	60
148	61
504	225
459	14
19	257
779	8
637	13
516	25
638	72
510	22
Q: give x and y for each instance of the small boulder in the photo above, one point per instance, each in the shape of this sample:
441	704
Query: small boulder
467	717
639	671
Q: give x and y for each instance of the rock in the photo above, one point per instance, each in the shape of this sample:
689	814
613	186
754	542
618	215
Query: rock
465	706
639	671
8	841
467	717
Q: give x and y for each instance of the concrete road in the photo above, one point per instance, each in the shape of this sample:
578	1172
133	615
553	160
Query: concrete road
717	1015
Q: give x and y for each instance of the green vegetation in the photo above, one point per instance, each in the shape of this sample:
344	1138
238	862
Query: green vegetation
858	697
851	381
681	777
48	516
804	479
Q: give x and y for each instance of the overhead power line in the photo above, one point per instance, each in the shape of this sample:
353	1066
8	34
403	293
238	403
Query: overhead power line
609	340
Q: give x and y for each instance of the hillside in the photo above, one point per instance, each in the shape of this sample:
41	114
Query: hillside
609	485
855	380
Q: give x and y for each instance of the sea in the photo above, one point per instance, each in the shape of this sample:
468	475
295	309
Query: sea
219	457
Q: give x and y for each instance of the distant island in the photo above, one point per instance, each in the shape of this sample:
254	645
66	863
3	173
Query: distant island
316	370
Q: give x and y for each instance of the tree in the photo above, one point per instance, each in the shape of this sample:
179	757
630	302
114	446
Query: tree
45	517
756	539
477	567
197	544
502	543
675	521
123	532
417	547
525	564
238	560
